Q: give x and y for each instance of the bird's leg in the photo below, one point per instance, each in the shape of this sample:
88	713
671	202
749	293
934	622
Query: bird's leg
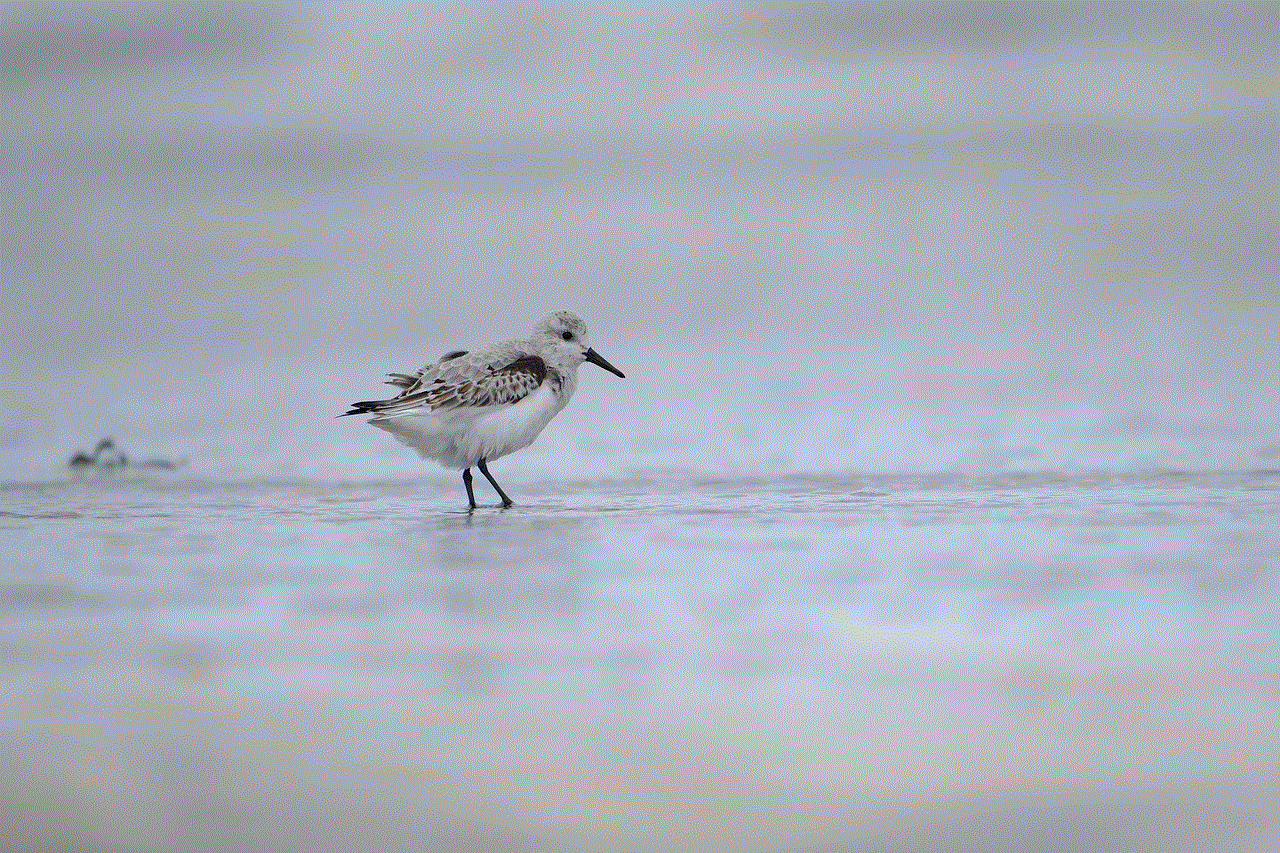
484	469
466	481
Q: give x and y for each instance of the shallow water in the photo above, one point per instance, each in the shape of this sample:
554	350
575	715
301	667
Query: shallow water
1013	662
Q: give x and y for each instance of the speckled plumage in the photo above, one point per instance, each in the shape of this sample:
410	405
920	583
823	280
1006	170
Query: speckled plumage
505	372
470	408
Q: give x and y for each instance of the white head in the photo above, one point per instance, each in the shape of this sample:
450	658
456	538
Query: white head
563	336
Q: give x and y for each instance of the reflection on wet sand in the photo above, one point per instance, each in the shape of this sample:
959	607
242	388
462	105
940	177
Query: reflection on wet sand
1044	664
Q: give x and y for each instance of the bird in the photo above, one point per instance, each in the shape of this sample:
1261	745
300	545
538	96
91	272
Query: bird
114	458
472	407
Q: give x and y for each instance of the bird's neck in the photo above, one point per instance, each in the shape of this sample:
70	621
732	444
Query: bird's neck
563	379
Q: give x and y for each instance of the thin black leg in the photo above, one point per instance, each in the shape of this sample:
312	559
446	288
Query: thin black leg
484	469
466	481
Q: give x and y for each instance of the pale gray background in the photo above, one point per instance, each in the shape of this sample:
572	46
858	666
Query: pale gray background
869	236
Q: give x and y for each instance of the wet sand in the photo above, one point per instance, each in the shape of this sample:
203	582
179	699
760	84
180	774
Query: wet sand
1024	662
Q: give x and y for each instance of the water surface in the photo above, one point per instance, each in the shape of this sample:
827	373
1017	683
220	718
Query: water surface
1003	662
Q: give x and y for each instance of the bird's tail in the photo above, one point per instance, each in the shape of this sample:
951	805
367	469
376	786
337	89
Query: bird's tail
404	404
366	407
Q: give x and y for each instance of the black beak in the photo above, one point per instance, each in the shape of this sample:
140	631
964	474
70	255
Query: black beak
595	358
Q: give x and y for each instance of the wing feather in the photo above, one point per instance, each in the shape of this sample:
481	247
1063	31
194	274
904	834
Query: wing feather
499	375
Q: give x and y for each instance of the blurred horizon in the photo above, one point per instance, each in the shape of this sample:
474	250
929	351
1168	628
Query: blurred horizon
1050	205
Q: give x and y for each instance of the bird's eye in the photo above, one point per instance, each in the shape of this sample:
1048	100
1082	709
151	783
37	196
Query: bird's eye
568	336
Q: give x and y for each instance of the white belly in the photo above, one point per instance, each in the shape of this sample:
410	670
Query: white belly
459	438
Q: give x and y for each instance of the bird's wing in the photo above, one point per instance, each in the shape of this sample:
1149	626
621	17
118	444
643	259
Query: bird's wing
408	381
501	374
